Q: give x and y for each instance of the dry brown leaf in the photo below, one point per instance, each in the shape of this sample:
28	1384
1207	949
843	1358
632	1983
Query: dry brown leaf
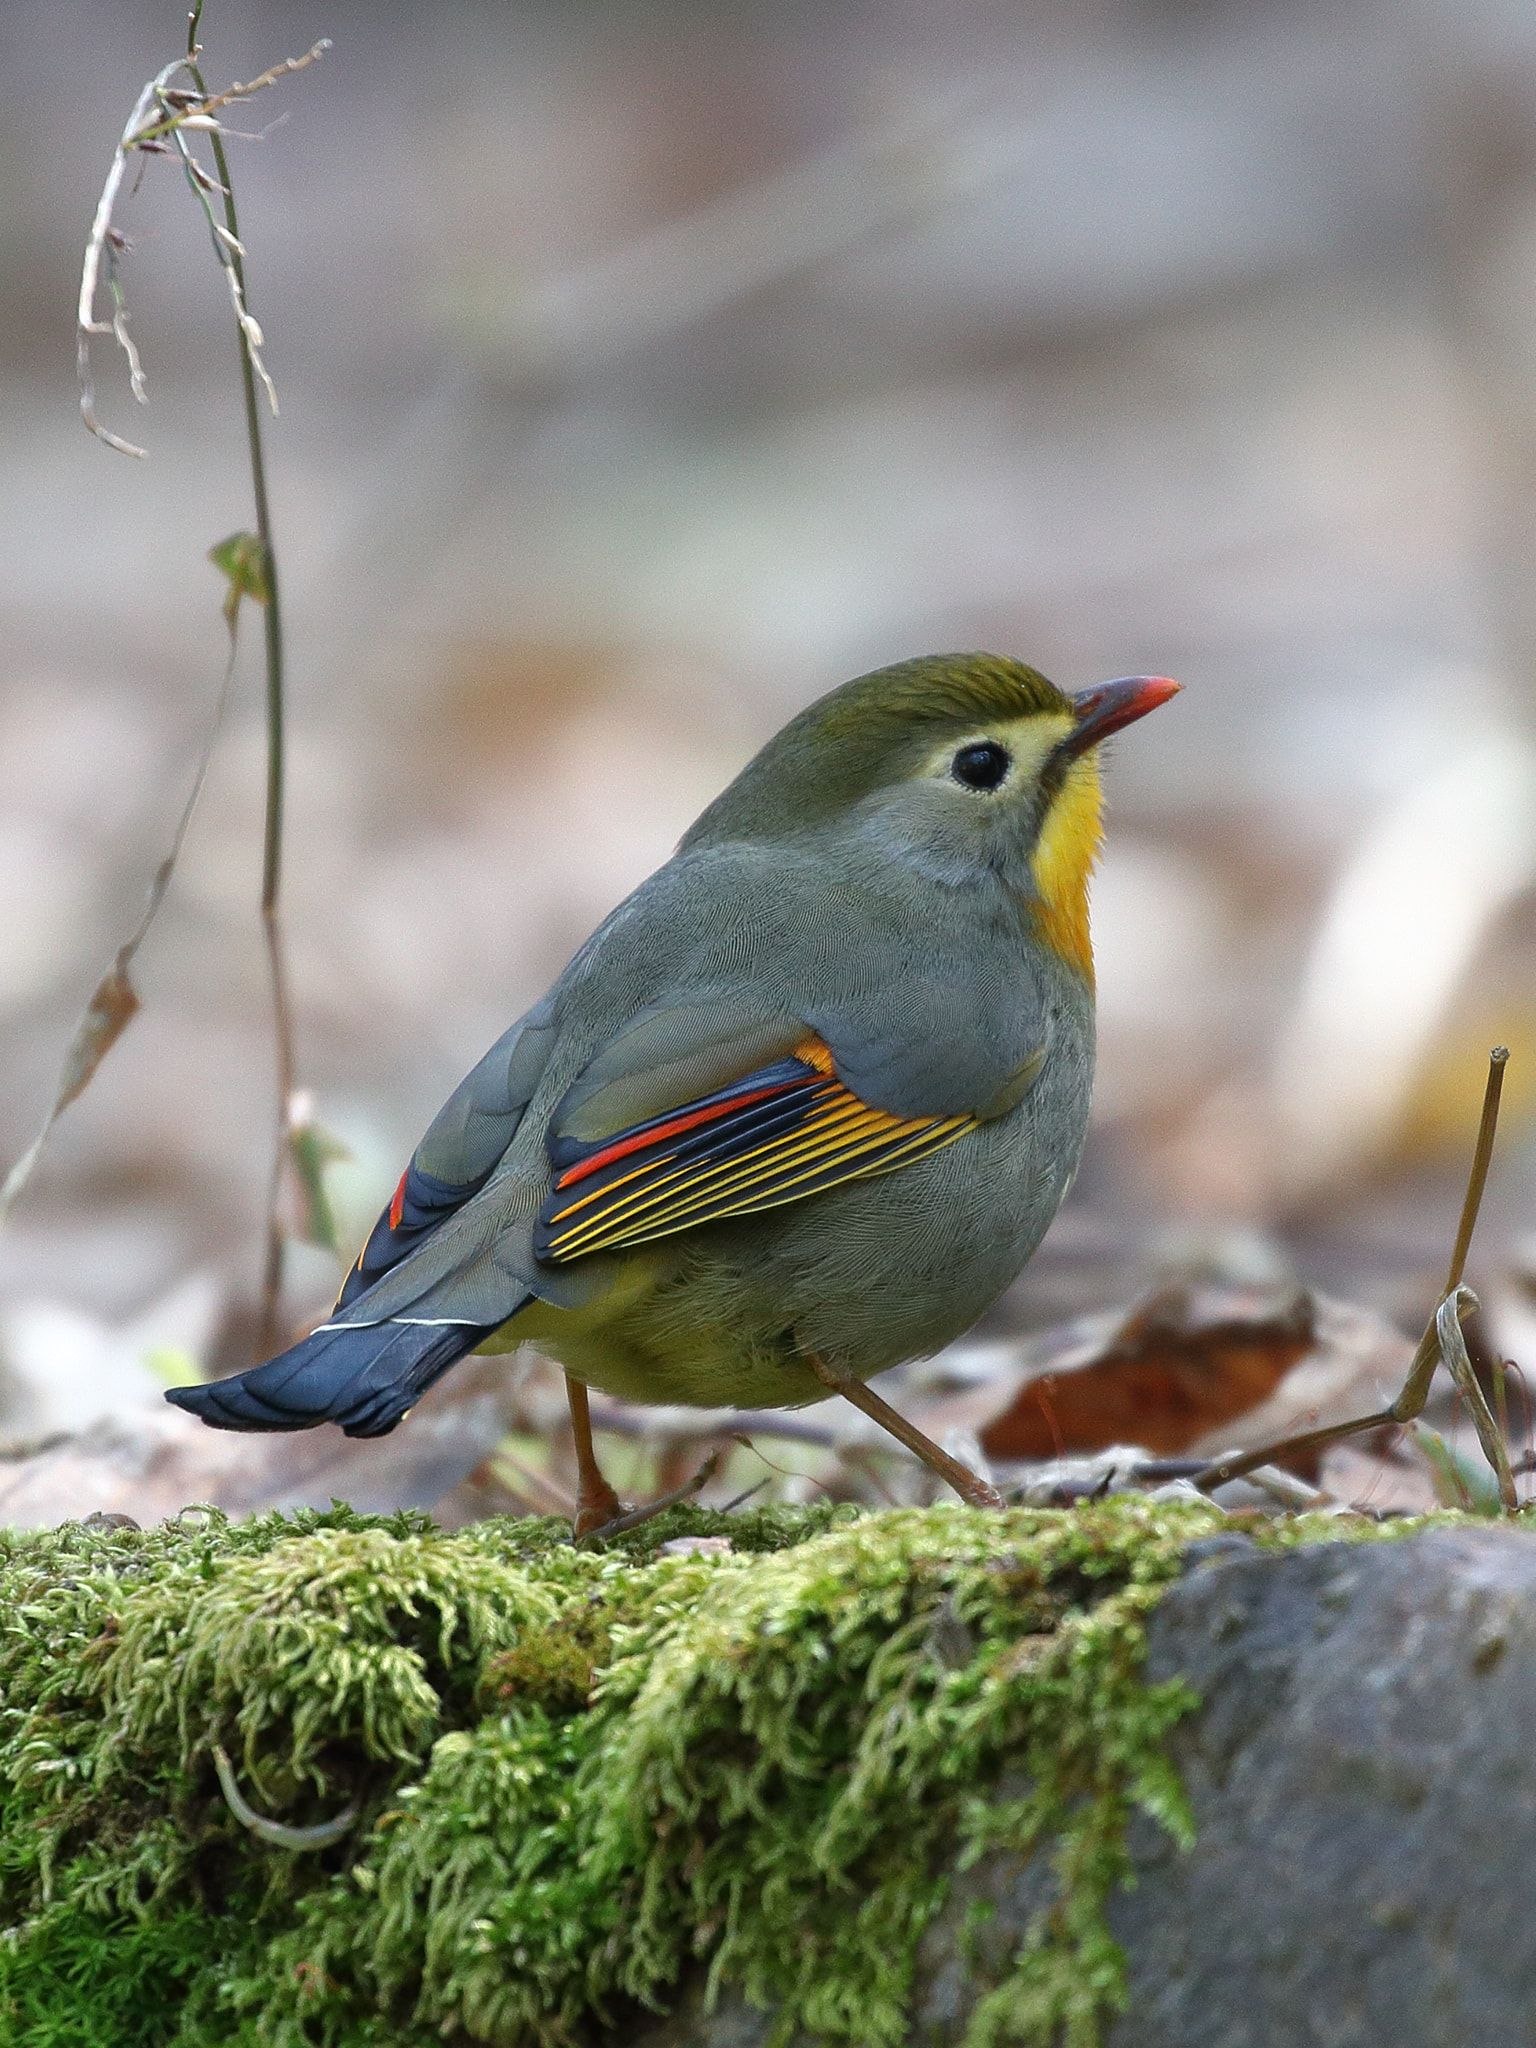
1183	1361
1195	1369
106	1017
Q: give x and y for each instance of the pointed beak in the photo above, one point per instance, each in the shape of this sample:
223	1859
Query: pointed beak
1108	706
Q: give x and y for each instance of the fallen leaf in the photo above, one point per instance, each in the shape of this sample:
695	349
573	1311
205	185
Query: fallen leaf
1180	1363
1195	1368
105	1018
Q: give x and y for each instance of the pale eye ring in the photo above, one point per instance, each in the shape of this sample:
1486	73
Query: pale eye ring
982	765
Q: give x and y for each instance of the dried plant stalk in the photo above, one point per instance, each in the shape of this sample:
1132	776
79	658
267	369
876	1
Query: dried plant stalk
1443	1343
165	119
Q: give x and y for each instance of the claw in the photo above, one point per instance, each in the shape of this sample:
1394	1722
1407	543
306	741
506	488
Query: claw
625	1519
595	1510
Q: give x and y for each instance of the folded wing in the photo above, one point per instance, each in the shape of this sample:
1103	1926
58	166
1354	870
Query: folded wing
788	1130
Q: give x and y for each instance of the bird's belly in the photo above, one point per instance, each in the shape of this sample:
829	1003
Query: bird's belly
918	1255
679	1340
866	1275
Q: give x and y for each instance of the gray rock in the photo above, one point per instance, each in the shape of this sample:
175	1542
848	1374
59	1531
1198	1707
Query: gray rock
1363	1778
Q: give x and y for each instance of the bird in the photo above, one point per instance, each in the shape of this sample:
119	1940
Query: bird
799	1110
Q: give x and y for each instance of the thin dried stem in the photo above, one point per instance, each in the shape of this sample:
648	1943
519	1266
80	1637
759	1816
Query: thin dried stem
1482	1154
179	111
96	253
1443	1342
197	114
124	339
249	335
228	247
163	116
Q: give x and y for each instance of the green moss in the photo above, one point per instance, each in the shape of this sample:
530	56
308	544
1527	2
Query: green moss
578	1775
74	1977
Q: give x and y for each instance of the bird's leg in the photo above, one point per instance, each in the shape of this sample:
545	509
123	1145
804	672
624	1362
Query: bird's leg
636	1518
970	1486
599	1511
596	1502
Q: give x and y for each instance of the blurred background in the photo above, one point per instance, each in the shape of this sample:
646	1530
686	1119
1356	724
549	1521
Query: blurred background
644	371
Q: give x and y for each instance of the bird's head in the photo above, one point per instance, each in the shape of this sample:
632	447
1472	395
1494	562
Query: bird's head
964	766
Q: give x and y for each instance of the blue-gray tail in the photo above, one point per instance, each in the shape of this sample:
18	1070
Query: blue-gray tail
365	1376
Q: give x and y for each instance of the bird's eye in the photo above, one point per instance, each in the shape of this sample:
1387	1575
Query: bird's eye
983	765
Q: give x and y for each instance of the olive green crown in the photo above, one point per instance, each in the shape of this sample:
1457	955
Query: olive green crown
868	731
935	689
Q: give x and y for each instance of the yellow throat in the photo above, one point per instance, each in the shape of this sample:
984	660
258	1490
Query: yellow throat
1063	862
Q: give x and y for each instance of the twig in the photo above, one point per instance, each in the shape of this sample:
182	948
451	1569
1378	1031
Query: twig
97	242
278	1832
1442	1342
1482	1154
739	1500
636	1518
182	112
227	245
196	114
1286	1490
249	335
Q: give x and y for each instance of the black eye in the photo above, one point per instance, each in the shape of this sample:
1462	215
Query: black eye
982	766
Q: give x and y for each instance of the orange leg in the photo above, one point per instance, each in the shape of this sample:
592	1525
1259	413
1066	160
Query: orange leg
596	1502
970	1486
599	1511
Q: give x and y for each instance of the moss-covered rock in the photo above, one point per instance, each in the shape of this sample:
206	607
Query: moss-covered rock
567	1780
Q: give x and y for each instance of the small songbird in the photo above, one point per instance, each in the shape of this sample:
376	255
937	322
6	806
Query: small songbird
799	1109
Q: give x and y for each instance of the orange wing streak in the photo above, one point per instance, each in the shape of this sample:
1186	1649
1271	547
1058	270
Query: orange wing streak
816	1055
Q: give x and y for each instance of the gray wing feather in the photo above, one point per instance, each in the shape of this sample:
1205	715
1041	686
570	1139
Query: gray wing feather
471	1132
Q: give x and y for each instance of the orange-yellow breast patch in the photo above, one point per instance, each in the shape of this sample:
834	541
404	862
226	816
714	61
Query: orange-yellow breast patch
1063	862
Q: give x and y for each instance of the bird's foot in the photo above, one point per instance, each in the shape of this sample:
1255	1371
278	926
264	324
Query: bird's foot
621	1520
596	1507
